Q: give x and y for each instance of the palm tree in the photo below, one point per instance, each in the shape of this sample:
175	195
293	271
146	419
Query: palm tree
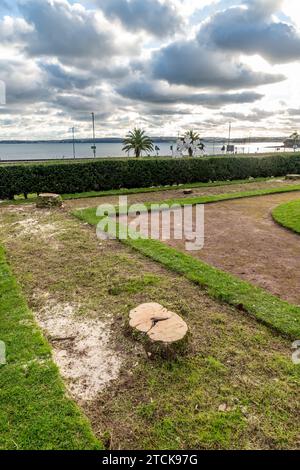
138	141
193	137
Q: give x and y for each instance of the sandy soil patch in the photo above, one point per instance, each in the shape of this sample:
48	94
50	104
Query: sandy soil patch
81	348
31	226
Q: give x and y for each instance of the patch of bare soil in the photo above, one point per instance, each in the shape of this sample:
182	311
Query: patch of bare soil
81	348
242	238
33	227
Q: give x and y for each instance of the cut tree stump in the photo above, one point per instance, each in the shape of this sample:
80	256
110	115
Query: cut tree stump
292	177
161	331
48	200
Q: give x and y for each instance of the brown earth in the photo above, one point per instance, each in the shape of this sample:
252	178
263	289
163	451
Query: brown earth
242	238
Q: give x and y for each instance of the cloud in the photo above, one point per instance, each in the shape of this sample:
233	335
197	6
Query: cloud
252	29
165	111
193	64
160	92
14	29
293	112
25	83
68	31
255	116
64	79
154	16
62	59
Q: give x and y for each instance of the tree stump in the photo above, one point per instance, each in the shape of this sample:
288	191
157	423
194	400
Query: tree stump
292	177
187	191
162	332
48	201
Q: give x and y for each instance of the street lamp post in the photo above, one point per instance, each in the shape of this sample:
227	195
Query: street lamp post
94	148
73	134
229	134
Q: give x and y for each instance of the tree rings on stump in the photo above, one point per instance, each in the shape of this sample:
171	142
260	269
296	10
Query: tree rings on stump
162	331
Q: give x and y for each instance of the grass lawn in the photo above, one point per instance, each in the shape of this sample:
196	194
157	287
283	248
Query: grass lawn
288	215
237	387
124	192
35	412
211	428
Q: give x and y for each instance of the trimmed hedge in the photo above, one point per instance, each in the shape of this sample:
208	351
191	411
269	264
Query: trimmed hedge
110	174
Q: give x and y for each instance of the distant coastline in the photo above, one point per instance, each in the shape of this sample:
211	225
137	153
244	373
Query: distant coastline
119	140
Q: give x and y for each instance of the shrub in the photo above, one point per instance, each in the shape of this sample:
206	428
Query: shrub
106	174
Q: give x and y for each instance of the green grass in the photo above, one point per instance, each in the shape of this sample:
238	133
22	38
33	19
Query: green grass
35	412
124	192
288	215
124	157
272	311
133	286
226	197
222	197
213	198
174	405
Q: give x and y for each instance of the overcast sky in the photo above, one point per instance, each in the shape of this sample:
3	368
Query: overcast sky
165	65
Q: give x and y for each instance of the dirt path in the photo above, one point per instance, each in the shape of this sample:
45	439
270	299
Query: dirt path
242	238
178	193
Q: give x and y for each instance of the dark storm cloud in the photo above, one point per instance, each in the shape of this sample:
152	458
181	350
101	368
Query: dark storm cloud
150	92
189	63
157	18
252	30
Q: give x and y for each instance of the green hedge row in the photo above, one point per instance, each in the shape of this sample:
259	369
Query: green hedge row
132	173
